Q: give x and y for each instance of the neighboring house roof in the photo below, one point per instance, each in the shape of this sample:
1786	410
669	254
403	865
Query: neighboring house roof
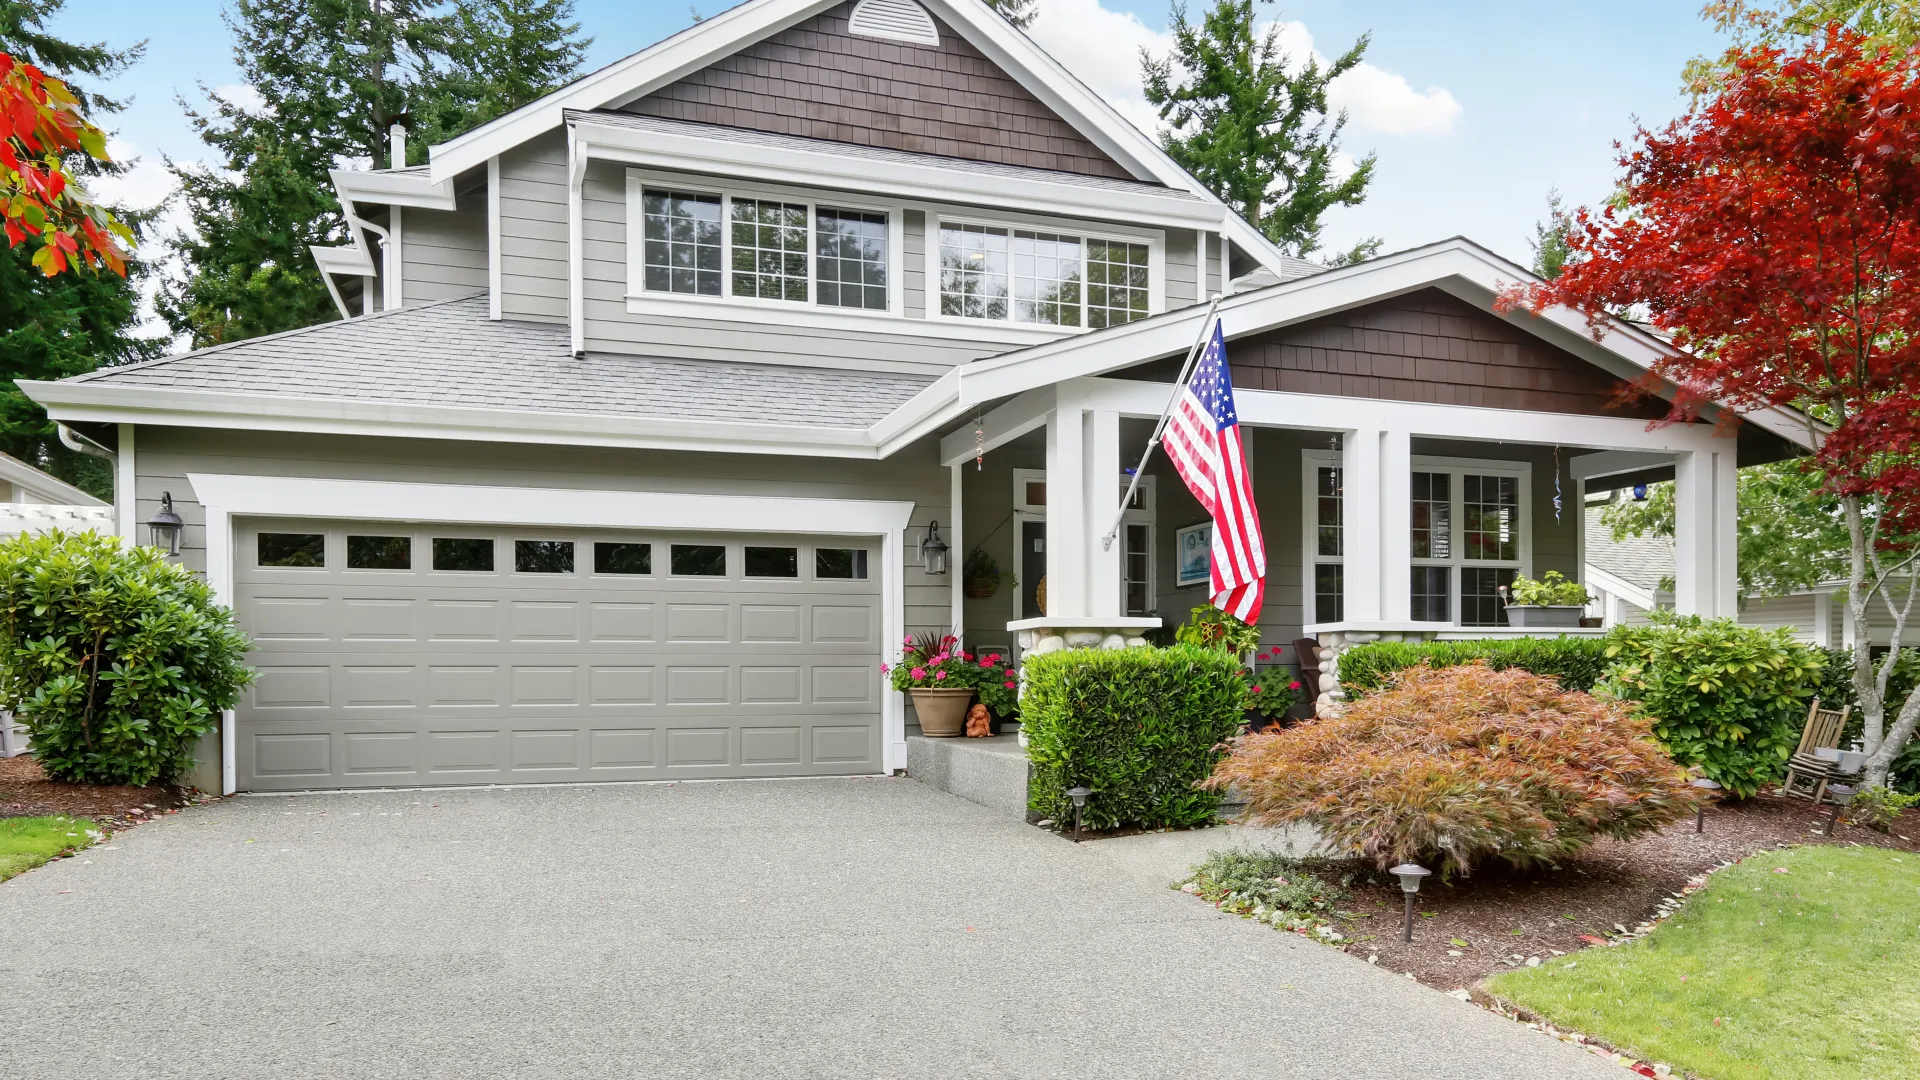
31	518
42	487
450	355
1640	561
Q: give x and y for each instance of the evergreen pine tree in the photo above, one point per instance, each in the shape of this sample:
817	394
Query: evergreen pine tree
502	55
1018	12
53	327
1251	123
1549	241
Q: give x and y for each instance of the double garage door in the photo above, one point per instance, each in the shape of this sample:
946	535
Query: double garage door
408	656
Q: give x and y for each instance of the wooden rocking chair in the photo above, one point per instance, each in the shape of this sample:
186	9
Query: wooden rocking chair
1804	767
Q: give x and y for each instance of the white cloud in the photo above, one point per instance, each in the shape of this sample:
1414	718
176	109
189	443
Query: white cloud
1102	47
241	96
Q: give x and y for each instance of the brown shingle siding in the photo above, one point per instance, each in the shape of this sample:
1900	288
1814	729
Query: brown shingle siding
949	100
1429	347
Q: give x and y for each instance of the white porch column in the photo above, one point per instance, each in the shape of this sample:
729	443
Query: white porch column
1102	489
1361	524
1067	513
1705	540
1396	525
956	560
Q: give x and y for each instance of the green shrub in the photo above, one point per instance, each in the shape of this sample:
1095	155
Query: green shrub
116	660
1877	808
1577	662
1727	698
1289	893
1836	689
1552	590
1209	627
1455	766
1140	727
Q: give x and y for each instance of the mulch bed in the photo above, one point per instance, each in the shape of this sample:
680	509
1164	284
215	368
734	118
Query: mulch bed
1503	915
25	791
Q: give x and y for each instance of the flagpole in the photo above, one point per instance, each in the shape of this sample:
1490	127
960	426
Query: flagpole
1166	414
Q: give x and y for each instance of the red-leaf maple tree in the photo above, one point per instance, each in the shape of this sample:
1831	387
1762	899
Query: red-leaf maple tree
1774	232
40	122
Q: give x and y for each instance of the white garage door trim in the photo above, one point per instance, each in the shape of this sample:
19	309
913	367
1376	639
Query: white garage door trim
225	496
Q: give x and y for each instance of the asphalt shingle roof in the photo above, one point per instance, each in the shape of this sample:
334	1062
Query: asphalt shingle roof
1636	560
451	354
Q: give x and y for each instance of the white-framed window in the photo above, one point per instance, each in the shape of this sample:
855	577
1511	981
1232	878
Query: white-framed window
1040	276
1470	536
767	247
1137	577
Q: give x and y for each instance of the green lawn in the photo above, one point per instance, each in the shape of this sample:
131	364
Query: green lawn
26	842
1809	974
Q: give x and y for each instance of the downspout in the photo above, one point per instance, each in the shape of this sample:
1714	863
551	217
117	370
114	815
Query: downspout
79	443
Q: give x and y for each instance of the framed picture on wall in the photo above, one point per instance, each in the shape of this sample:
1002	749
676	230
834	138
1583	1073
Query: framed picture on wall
1193	554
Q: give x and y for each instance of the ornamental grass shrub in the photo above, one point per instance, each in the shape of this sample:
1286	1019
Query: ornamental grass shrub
1576	662
1140	727
1728	699
116	660
1452	767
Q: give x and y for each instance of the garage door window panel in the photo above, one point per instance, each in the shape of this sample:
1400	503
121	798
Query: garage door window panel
462	554
698	560
304	551
772	562
616	558
543	556
840	564
379	552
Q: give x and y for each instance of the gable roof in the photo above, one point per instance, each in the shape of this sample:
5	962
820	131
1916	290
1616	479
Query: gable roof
44	487
674	58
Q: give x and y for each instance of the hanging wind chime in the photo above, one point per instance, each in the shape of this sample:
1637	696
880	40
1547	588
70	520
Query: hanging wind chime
1556	485
979	443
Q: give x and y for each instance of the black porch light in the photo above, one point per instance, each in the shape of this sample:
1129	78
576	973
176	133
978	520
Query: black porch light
164	527
1410	875
1700	805
1079	797
933	551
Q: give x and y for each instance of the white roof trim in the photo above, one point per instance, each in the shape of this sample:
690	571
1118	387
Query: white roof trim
392	187
710	40
1618	586
47	489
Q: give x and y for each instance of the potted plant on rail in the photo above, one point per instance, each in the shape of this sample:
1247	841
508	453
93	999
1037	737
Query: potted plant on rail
940	679
1552	602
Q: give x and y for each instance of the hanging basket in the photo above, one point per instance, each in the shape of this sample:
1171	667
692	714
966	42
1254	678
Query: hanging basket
981	586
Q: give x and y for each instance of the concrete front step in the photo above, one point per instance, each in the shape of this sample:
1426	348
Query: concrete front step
991	772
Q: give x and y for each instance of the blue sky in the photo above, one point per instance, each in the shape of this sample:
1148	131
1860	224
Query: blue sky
1475	107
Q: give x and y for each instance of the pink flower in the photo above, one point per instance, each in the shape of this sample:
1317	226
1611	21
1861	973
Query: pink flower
1293	686
988	667
1256	689
908	640
948	640
938	675
918	673
940	657
884	669
1010	684
992	658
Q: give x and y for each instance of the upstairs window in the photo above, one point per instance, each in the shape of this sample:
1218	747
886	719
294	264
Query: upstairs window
770	249
1040	278
682	243
851	259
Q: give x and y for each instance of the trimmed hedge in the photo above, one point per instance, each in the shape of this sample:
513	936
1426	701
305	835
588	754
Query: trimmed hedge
1576	662
1139	726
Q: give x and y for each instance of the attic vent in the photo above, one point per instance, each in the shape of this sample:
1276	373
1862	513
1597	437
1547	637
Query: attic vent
895	20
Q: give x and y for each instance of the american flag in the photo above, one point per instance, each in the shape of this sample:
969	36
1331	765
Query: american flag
1203	442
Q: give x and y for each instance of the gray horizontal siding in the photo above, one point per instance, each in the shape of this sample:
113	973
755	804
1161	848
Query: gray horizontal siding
533	229
913	263
1182	289
443	253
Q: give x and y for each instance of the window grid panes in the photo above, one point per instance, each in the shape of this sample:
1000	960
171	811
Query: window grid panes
1432	593
850	259
379	552
1046	279
1329	593
973	272
293	550
683	243
1480	594
543	556
1327	522
619	558
1116	282
770	249
1136	565
1432	515
1490	509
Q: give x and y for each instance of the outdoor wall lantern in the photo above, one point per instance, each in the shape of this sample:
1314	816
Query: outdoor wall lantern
165	526
1700	807
1079	797
1409	875
933	551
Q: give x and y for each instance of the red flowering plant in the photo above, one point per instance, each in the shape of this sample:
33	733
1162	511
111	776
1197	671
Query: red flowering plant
932	662
1271	690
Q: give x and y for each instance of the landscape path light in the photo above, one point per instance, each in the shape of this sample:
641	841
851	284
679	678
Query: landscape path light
1079	797
1409	875
1700	804
1841	794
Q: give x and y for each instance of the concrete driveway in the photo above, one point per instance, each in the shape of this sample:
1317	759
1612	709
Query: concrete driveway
820	928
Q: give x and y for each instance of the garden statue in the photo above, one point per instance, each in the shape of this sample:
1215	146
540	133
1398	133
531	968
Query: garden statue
979	722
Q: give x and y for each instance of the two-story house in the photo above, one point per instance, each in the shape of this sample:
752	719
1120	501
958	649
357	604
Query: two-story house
625	457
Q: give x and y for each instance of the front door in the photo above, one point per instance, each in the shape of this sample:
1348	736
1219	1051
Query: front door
1033	565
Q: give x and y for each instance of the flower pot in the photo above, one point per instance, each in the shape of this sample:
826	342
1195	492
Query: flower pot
942	713
1535	616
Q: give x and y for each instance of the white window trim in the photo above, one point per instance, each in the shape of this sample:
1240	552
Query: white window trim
1312	460
225	496
939	217
1146	515
687	305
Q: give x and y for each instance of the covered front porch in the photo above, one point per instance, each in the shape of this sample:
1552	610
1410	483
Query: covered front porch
1382	519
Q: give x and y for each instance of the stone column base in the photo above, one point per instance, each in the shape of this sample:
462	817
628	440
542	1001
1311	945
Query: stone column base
1332	698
